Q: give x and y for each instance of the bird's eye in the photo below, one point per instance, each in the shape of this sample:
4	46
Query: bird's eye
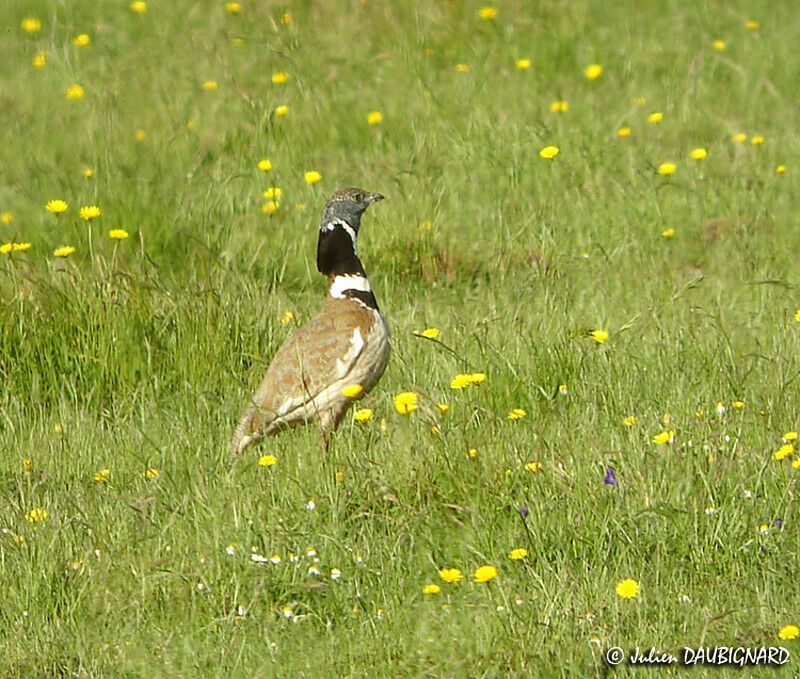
358	197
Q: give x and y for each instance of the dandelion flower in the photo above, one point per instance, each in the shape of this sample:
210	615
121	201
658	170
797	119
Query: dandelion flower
312	177
151	473
758	139
27	464
451	574
739	137
462	68
699	153
786	450
667	168
286	18
796	463
487	12
102	475
267	460
138	7
518	553
374	117
55	206
593	71
210	85
39	60
363	415
549	152
281	110
31	25
287	318
629	421
233	7
522	64
36	515
668	233
405	402
140	135
599	336
627	589
430	333
352	390
74	92
273	192
460	381
533	466
624	132
738	405
431	589
118	234
427	225
780	169
477	378
560	106
656	117
265	165
790	436
270	207
443	408
664	437
89	212
516	414
484	574
64	251
7	217
87	172
280	77
719	45
473	453
81	40
789	632
752	25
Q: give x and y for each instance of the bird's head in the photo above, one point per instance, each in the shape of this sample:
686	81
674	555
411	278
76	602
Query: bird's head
348	205
341	217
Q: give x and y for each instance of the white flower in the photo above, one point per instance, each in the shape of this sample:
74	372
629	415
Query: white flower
311	505
293	558
311	552
275	559
711	510
335	574
257	558
721	409
359	558
685	599
287	611
230	550
241	611
313	570
748	494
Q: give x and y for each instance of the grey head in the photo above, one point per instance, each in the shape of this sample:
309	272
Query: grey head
348	205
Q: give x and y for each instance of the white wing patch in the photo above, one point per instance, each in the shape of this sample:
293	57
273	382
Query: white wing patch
344	364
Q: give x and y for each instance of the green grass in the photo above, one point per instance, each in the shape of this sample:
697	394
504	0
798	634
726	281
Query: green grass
141	353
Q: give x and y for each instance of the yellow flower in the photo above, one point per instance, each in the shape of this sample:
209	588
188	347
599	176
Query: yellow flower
265	165
138	6
562	389
462	68
699	153
210	85
27	464
518	553
35	515
516	414
55	206
667	168
629	421
39	60
477	378
451	574
352	390
140	135
560	106
599	336
664	437
533	466
549	152
487	12
312	177
752	25
151	473
287	318
668	233
74	92
460	381
87	172
431	589
484	574
31	25
628	588
339	476
102	475
443	408
783	452
738	405
789	632
430	333
719	45
81	40
267	460
64	251
522	64
20	247
270	207
790	436
796	463
89	212
363	415
233	7
656	117
118	234
758	139
473	453
624	132
780	169
281	110
739	137
797	315
593	71
7	217
639	101
374	117
280	77
405	402
425	226
273	192
286	18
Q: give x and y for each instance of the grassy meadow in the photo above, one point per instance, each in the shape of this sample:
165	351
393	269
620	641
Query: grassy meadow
133	545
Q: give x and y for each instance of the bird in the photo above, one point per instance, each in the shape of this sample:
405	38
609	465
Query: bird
345	344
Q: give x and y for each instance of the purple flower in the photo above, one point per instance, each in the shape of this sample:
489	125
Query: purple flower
778	522
610	478
523	512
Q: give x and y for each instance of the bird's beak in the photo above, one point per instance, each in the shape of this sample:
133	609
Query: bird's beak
373	198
